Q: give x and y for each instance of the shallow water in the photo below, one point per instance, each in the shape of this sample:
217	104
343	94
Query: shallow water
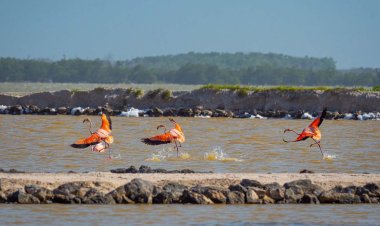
41	143
190	214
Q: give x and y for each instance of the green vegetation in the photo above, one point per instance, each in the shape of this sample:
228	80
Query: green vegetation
192	68
243	90
376	88
166	94
135	91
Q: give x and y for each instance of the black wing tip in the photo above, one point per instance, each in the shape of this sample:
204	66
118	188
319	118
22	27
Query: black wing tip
79	145
148	141
323	115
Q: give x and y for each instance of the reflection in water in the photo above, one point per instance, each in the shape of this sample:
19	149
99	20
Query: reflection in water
41	143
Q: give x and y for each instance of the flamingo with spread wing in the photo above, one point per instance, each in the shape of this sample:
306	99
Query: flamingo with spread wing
312	131
99	140
174	135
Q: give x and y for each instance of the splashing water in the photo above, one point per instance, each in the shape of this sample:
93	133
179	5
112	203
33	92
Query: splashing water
217	154
167	154
328	156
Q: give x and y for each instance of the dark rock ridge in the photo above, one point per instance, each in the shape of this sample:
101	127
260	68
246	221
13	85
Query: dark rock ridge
141	191
147	169
346	104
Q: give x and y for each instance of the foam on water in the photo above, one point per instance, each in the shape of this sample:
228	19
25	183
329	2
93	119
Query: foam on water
168	154
217	154
327	156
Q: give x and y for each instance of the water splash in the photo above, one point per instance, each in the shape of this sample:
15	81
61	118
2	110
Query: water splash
217	154
168	154
327	156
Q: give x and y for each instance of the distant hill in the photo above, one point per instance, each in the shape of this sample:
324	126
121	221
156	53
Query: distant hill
233	61
192	68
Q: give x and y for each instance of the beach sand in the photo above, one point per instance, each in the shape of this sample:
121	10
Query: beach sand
107	181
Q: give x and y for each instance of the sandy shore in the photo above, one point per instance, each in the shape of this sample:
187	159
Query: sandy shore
110	181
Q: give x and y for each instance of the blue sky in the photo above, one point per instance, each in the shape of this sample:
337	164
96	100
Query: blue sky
346	30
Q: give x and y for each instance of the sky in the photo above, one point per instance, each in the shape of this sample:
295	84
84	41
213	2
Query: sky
346	30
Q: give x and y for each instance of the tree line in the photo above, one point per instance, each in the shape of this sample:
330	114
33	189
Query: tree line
191	68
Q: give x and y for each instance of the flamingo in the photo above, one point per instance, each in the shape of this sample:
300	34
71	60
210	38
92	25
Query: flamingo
172	136
99	140
311	131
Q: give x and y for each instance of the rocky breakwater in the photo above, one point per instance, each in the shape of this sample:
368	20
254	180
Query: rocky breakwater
182	188
341	103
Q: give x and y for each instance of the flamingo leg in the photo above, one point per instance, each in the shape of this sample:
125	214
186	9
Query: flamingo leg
107	146
176	146
319	145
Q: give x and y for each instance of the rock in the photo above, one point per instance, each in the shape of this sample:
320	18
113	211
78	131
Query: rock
252	197
373	188
293	194
260	192
44	195
170	112
16	110
334	196
48	111
145	169
220	113
277	194
207	113
310	199
73	192
306	186
216	194
197	112
140	191
171	193
306	171
159	171
365	198
164	198
89	111
3	197
62	110
33	109
194	198
235	197
185	112
238	187
131	169
93	196
157	112
119	196
23	198
251	183
268	200
272	186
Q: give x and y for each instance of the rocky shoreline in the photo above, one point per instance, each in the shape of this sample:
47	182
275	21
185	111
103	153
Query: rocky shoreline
150	186
342	104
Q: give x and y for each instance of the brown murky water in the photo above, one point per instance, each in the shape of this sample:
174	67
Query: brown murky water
190	215
41	143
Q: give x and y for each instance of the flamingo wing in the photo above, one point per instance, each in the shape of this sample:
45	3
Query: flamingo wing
91	140
159	139
106	122
318	121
